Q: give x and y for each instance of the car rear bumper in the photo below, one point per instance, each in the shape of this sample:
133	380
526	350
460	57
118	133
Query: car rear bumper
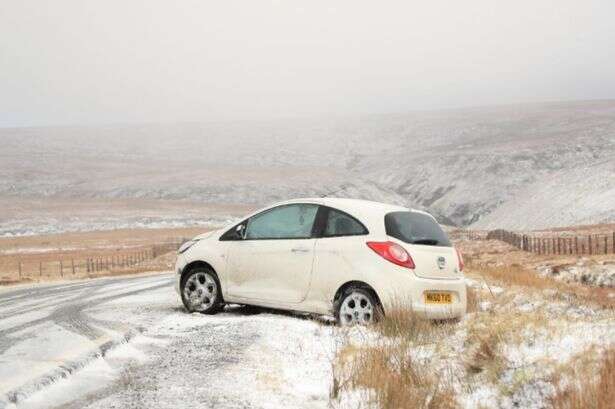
411	293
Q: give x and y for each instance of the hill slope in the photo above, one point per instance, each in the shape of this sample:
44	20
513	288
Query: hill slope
528	166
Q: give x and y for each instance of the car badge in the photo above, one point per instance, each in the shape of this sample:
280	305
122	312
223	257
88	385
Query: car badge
441	262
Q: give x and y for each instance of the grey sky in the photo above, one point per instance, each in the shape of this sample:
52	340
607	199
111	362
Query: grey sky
108	61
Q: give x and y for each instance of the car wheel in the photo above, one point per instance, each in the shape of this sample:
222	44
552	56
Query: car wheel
200	291
357	306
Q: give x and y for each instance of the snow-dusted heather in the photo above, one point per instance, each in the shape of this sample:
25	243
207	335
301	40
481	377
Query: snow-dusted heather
524	166
126	342
585	270
537	335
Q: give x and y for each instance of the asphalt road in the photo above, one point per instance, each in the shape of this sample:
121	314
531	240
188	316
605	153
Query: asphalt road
127	342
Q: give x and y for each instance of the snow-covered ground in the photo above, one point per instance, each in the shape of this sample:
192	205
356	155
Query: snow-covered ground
127	342
39	225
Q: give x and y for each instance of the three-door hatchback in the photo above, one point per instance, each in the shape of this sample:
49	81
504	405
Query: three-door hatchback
353	259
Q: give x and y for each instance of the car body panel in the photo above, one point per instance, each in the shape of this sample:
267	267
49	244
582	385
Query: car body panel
261	270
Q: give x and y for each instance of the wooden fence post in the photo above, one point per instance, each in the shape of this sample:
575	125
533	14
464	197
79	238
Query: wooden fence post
554	245
589	243
61	269
606	246
72	265
19	269
40	268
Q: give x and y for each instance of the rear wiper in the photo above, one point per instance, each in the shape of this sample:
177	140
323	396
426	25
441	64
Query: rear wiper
429	242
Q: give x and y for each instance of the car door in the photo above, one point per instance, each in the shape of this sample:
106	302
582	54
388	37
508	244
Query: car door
341	242
273	261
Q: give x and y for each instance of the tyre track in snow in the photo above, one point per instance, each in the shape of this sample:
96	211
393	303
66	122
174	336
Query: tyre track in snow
41	341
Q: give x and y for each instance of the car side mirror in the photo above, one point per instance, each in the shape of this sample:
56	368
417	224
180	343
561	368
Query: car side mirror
240	231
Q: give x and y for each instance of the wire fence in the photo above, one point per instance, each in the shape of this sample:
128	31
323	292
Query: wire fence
587	244
67	265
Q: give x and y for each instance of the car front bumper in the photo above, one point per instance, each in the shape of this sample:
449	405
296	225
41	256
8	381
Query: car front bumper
180	263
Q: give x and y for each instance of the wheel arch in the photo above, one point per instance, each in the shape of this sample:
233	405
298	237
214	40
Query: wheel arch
196	264
355	284
201	264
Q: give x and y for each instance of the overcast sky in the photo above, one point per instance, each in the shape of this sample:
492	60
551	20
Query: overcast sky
114	61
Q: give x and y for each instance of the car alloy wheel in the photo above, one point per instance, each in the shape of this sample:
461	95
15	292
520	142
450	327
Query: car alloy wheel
357	307
200	292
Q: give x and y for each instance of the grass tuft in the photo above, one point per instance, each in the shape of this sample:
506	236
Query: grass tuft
391	379
588	391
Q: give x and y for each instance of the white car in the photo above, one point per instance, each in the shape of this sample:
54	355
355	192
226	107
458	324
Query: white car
353	259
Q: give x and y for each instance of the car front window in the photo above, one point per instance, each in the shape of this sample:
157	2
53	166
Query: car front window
293	221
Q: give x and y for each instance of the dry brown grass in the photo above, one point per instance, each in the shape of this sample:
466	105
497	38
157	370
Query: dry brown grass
518	275
590	390
473	299
391	379
486	356
386	372
484	342
401	321
52	257
515	274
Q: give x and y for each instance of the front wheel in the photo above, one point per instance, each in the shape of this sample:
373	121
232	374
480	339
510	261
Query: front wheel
357	306
200	291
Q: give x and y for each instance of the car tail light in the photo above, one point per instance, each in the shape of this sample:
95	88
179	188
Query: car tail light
393	252
460	258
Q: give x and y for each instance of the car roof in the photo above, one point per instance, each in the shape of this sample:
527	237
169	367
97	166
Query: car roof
348	204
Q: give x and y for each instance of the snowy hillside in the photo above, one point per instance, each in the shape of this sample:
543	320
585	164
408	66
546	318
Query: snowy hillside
528	166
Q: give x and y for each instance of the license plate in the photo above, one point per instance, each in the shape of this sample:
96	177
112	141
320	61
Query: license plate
438	298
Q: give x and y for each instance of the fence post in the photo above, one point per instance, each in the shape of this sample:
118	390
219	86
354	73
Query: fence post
589	243
40	268
613	243
606	246
553	246
19	269
61	269
72	265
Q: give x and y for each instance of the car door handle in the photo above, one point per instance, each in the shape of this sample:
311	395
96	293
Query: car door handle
299	250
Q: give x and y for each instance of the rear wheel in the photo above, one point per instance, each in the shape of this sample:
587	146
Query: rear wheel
200	291
357	305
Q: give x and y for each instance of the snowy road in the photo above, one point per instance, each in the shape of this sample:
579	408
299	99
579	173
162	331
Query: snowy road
125	342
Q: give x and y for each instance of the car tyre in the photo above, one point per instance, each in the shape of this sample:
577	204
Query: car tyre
357	306
201	292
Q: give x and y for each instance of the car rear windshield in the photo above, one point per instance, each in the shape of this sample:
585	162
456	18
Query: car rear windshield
415	228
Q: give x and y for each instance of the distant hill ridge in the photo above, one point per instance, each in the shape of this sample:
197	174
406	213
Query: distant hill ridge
514	167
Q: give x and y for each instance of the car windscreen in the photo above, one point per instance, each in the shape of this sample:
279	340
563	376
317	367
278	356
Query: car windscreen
415	228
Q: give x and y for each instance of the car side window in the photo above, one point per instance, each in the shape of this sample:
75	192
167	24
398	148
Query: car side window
292	221
342	224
